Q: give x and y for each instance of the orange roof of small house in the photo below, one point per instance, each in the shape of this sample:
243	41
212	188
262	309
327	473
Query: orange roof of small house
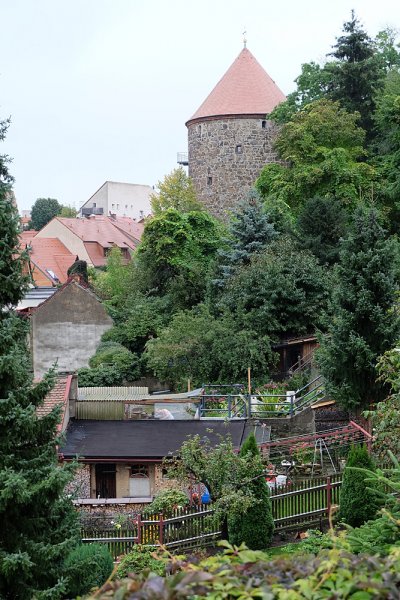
58	396
106	231
49	256
245	89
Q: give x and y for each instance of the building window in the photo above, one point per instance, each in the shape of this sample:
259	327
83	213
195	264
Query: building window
94	204
239	149
224	126
112	206
139	471
209	180
126	206
263	124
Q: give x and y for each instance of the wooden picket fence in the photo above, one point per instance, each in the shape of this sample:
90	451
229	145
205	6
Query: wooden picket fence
293	507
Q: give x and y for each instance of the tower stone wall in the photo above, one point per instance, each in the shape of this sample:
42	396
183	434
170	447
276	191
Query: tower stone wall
226	155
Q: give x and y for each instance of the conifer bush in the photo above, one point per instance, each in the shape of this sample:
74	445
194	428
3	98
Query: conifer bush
358	504
86	567
256	526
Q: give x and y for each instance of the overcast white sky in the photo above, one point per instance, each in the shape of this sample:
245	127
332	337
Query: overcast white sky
100	89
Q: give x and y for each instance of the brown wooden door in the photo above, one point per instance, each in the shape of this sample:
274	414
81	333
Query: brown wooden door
106	481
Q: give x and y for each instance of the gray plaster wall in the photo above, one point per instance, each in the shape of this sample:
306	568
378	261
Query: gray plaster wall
67	328
225	158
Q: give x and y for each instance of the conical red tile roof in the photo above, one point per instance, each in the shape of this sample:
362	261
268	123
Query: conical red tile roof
245	89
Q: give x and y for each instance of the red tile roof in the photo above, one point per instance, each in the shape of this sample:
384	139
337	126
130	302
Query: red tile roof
59	395
245	89
106	231
48	254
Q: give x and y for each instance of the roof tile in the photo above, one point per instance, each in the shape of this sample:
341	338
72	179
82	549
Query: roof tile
245	89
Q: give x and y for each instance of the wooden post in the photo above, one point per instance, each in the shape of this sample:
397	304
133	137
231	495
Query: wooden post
249	380
139	529
161	524
189	389
328	496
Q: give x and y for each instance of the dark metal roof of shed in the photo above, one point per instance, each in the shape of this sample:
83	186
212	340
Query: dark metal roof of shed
143	439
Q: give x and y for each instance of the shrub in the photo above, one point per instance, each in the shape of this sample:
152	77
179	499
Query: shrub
256	526
240	572
139	560
358	503
166	501
86	567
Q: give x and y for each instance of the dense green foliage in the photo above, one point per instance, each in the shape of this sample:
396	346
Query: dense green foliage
357	73
250	231
140	560
86	567
175	254
166	501
38	523
204	348
357	503
385	417
243	573
378	536
283	291
322	147
256	526
365	323
175	191
226	474
43	211
322	223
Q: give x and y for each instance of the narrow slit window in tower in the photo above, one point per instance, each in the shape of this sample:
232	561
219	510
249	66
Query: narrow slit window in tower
264	124
239	149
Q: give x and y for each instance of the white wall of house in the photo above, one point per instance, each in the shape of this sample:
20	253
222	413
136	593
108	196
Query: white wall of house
122	199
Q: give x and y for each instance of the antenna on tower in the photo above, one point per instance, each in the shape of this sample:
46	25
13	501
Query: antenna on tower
244	38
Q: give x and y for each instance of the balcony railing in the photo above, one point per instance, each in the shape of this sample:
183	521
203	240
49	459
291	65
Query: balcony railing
182	158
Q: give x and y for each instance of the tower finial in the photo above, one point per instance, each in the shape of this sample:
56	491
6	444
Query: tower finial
244	38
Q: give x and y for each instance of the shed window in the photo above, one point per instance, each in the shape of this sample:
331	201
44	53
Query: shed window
139	471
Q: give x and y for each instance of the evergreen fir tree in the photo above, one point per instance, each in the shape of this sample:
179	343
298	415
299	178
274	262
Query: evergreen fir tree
357	74
256	526
358	504
364	323
322	222
37	522
250	230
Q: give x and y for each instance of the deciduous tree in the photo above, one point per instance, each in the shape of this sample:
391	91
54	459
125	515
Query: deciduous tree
322	152
43	211
175	191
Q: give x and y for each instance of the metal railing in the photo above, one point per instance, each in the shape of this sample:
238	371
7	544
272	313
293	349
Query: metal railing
261	405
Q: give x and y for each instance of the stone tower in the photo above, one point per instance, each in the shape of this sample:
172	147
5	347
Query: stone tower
229	137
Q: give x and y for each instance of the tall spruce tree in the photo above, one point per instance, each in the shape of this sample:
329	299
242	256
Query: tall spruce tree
364	321
357	73
250	231
37	521
256	526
